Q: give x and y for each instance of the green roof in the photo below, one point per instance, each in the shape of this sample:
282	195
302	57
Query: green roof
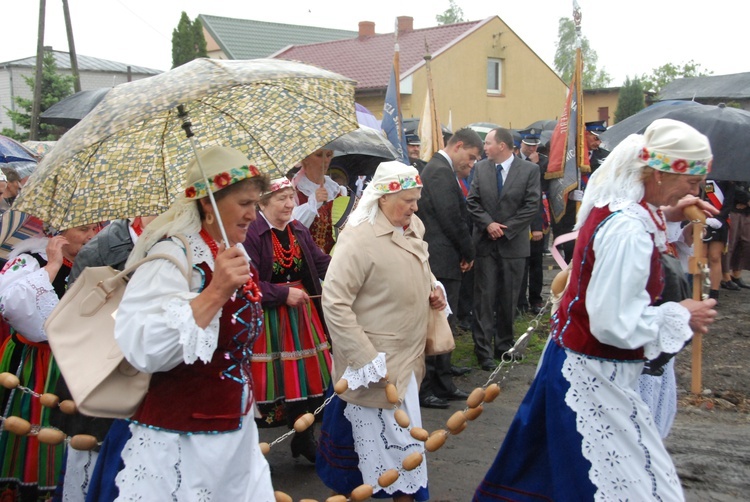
248	39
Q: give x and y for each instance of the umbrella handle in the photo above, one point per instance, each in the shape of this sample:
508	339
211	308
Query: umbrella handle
187	126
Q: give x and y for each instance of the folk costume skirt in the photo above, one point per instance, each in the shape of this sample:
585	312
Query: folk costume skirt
28	469
291	363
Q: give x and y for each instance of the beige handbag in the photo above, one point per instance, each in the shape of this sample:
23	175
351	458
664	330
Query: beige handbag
439	334
81	334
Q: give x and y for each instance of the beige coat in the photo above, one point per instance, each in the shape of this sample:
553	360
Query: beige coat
376	299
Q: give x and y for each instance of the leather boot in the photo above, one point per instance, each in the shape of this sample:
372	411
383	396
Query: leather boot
303	443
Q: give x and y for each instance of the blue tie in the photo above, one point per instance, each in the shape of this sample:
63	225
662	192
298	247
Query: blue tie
499	168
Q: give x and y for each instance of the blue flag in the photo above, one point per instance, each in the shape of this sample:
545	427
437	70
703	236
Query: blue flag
392	119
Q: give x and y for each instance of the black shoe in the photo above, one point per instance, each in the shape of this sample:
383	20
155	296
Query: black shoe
730	285
464	324
303	443
738	281
488	365
456	395
433	402
535	309
457	371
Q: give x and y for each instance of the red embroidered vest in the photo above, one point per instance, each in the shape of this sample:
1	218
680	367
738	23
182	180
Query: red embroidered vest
200	397
570	324
322	226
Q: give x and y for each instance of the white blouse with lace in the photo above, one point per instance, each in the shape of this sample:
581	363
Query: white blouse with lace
306	213
156	330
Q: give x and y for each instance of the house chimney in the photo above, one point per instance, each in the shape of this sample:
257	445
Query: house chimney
405	24
366	29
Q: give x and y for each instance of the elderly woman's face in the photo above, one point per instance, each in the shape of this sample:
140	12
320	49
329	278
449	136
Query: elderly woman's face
400	206
676	186
77	237
237	210
278	208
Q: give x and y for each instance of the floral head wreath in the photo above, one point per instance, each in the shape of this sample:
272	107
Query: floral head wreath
223	167
397	183
666	163
279	184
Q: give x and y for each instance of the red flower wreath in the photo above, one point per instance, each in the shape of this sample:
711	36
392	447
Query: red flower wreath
190	192
222	179
680	165
394	186
645	155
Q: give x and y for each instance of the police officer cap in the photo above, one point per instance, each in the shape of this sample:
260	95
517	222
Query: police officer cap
412	139
596	128
531	136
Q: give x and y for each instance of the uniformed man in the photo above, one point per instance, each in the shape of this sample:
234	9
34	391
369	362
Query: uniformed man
412	145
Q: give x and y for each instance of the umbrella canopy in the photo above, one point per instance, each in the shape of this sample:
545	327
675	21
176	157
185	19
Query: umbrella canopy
544	125
13	151
482	128
727	130
366	118
363	141
128	156
69	111
39	148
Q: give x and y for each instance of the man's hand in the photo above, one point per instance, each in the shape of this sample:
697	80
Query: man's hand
466	266
495	230
534	157
536	235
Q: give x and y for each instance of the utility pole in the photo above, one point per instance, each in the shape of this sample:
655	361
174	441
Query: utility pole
71	48
37	104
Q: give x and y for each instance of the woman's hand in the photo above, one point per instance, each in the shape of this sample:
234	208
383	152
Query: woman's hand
676	212
231	270
437	299
296	297
321	194
702	313
55	256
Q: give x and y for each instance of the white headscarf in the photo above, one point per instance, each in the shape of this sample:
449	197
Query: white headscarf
666	145
390	177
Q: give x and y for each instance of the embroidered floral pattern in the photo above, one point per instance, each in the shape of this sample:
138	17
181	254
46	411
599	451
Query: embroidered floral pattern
662	162
221	180
402	183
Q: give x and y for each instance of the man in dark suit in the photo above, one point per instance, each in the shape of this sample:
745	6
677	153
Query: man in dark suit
504	197
447	224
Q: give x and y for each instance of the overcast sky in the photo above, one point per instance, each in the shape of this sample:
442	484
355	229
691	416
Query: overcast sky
631	37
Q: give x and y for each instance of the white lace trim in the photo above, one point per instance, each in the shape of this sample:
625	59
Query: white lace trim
371	372
381	443
197	343
628	459
638	212
201	251
78	469
674	330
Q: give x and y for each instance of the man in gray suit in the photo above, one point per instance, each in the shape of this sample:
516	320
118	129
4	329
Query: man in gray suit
504	198
447	231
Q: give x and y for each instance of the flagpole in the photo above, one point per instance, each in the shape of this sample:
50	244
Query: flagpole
435	141
397	71
581	145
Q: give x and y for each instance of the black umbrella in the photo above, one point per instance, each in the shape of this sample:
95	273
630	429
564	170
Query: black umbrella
544	125
363	141
727	129
69	111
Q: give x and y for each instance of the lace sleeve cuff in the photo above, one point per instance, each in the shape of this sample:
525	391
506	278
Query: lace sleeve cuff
369	373
673	333
197	343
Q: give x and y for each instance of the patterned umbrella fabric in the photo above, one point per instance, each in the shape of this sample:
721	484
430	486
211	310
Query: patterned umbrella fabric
128	156
39	148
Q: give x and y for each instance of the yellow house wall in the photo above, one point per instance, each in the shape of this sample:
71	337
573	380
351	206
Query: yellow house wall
531	90
592	102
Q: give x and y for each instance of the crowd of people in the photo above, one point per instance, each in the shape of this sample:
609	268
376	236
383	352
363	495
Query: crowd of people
251	326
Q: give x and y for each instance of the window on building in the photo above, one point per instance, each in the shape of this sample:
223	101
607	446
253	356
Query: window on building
494	76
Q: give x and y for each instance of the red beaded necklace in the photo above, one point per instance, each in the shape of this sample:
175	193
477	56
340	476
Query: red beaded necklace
250	289
660	225
285	257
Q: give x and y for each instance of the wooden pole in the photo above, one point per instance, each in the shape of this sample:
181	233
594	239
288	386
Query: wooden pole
37	103
697	264
71	48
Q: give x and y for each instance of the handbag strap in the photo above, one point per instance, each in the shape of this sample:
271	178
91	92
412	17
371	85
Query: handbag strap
109	285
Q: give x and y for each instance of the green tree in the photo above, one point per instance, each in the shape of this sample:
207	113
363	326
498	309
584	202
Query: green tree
54	88
565	57
664	74
454	14
188	42
631	99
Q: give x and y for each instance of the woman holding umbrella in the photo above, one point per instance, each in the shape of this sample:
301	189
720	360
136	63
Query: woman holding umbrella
31	284
315	193
291	360
193	436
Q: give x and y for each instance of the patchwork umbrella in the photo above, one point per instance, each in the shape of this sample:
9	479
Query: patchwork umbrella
128	156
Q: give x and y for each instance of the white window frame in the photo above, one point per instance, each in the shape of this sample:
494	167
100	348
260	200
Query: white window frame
496	66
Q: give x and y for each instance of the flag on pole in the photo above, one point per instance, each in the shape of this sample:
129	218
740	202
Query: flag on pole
568	153
392	122
430	132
